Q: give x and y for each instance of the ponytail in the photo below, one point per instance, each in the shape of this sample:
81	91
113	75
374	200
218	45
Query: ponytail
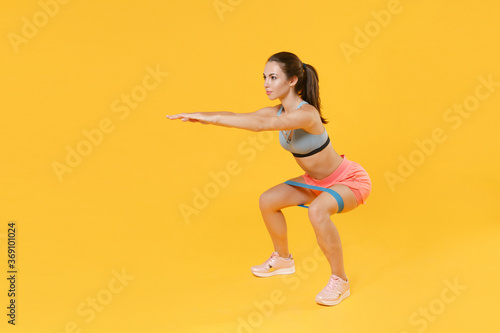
310	89
307	84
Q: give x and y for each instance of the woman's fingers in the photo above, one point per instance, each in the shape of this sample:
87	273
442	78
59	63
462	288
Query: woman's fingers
177	116
191	117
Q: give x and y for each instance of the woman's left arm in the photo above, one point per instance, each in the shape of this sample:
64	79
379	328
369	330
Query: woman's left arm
250	121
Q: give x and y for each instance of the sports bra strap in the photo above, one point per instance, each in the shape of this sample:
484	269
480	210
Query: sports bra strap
298	107
301	103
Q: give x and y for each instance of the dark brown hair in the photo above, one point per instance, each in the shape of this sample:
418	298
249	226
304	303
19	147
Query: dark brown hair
307	84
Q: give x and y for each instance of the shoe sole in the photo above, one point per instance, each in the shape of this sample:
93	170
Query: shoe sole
281	271
330	303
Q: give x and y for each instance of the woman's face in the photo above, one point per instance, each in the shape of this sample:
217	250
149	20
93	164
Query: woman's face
275	81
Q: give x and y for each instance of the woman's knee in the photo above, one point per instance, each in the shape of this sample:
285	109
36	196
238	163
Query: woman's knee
318	214
267	201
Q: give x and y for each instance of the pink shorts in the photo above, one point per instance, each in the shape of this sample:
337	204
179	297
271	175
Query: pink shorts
348	173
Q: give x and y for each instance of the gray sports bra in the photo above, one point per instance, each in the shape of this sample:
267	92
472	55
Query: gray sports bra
300	143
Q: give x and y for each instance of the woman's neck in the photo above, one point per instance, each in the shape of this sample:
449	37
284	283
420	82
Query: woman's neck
290	102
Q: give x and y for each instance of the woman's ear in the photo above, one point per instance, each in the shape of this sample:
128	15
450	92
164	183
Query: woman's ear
293	81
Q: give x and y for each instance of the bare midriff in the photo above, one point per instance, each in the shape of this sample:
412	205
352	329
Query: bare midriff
322	164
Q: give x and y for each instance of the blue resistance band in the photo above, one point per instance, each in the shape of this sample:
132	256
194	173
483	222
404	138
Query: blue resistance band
337	196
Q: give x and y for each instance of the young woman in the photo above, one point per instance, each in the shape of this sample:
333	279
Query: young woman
331	183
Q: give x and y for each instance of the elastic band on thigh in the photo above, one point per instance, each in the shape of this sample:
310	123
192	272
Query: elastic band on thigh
337	196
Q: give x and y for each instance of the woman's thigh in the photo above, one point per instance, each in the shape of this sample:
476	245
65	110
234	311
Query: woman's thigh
326	203
283	195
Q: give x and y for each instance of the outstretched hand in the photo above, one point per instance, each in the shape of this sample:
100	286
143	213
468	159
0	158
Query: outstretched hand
196	117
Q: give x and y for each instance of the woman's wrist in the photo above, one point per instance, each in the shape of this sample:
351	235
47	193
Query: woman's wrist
216	118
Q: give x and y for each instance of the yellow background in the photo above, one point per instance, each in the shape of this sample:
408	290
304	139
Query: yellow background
120	208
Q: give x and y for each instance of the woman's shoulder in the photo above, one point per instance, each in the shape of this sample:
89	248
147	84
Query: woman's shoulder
308	107
317	126
312	110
